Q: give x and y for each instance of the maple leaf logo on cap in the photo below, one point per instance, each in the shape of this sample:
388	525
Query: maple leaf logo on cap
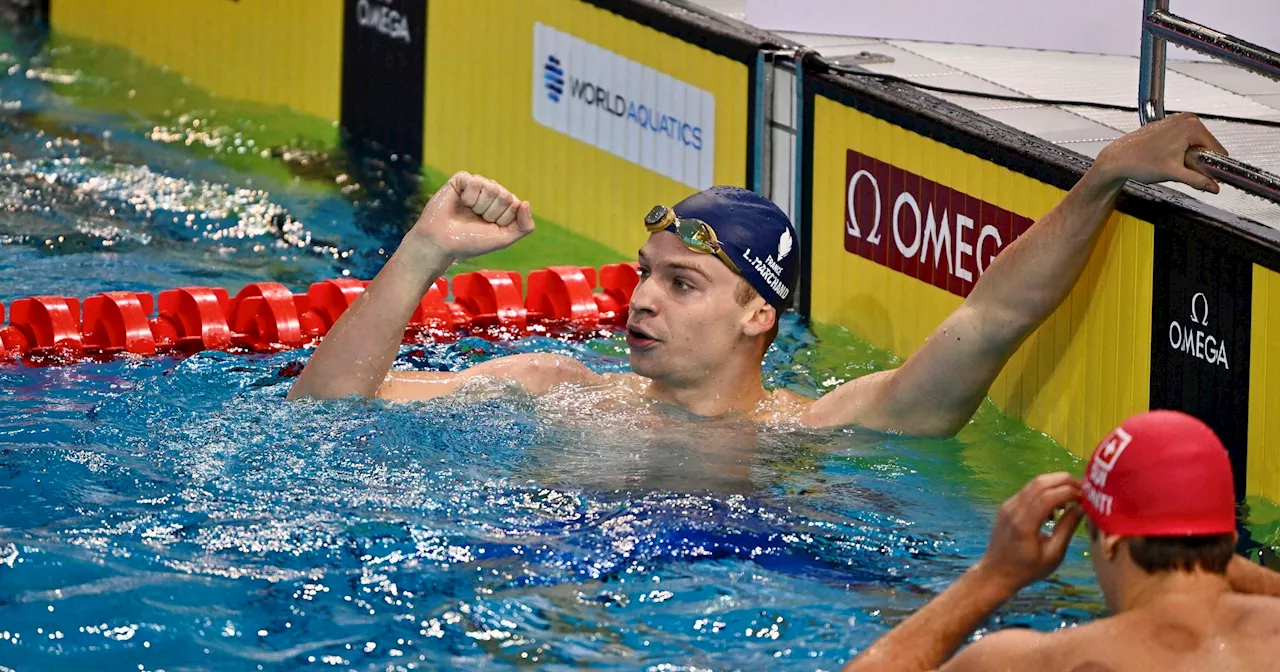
784	245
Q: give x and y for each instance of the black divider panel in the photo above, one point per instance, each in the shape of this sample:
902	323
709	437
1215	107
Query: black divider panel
384	47
1201	317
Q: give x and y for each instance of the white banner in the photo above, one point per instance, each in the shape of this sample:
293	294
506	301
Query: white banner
623	107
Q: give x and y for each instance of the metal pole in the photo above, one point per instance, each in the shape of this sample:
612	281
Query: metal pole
798	124
1152	69
758	124
1159	27
1231	49
1239	175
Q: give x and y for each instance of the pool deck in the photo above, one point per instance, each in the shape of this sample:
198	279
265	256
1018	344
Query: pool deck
1197	86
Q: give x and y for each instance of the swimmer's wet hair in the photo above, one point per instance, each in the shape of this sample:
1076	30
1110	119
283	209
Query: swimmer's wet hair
1210	553
1207	552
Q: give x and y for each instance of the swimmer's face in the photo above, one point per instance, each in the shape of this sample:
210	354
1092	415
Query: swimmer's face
685	320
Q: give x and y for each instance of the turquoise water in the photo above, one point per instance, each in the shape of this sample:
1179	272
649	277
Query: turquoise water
178	514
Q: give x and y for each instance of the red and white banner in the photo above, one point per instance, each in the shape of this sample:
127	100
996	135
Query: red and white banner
921	228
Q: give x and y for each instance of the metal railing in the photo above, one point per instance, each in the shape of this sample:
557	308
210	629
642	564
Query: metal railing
1159	27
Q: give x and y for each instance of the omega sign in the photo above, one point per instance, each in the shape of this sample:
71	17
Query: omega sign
1201	327
1193	340
383	75
921	228
384	19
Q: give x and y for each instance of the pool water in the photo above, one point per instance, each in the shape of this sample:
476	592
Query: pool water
178	514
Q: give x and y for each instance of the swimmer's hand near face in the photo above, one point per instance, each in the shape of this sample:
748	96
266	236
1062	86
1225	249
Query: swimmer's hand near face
1018	553
1161	152
470	216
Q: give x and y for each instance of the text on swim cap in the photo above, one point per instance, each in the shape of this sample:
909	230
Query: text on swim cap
770	270
1104	459
1099	500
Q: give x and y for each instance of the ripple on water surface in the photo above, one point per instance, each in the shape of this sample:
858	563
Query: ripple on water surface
179	514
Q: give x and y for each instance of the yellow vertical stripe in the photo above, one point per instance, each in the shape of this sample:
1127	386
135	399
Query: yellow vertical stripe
276	52
1262	475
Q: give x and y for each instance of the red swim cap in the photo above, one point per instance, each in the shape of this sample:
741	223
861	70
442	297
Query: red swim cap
1161	473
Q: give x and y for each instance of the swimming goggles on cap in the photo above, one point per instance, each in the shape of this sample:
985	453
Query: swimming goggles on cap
696	234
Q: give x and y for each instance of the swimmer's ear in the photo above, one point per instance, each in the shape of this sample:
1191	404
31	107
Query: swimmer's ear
1110	544
762	319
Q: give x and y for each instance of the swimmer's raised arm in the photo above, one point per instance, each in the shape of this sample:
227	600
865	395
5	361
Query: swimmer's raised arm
536	372
467	217
1017	555
939	387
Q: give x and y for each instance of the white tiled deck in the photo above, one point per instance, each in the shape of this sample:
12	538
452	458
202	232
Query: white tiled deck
1208	87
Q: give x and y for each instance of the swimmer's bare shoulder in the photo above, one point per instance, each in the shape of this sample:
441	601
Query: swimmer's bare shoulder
1239	632
1080	649
627	381
536	373
783	406
1004	650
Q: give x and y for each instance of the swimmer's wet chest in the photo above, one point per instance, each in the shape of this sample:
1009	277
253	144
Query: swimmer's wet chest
626	392
656	442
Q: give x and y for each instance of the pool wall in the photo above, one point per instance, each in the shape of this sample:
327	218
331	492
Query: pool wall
1173	310
277	52
602	184
902	197
927	217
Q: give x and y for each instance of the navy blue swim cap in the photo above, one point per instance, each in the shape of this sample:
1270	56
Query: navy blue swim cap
755	233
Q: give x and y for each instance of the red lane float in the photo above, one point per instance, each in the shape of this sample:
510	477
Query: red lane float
267	316
117	322
264	316
618	282
9	338
46	325
492	298
193	319
328	301
564	292
435	317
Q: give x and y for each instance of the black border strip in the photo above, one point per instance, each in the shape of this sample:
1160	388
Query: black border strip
1039	159
30	24
696	25
806	203
753	71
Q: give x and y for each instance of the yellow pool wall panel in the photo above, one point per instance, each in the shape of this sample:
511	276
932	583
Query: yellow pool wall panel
285	53
1263	472
479	115
1069	379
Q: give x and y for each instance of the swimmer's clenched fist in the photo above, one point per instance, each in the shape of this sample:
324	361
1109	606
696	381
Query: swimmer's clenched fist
470	216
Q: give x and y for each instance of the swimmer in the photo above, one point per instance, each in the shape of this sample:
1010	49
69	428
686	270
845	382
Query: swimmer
1159	504
716	272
